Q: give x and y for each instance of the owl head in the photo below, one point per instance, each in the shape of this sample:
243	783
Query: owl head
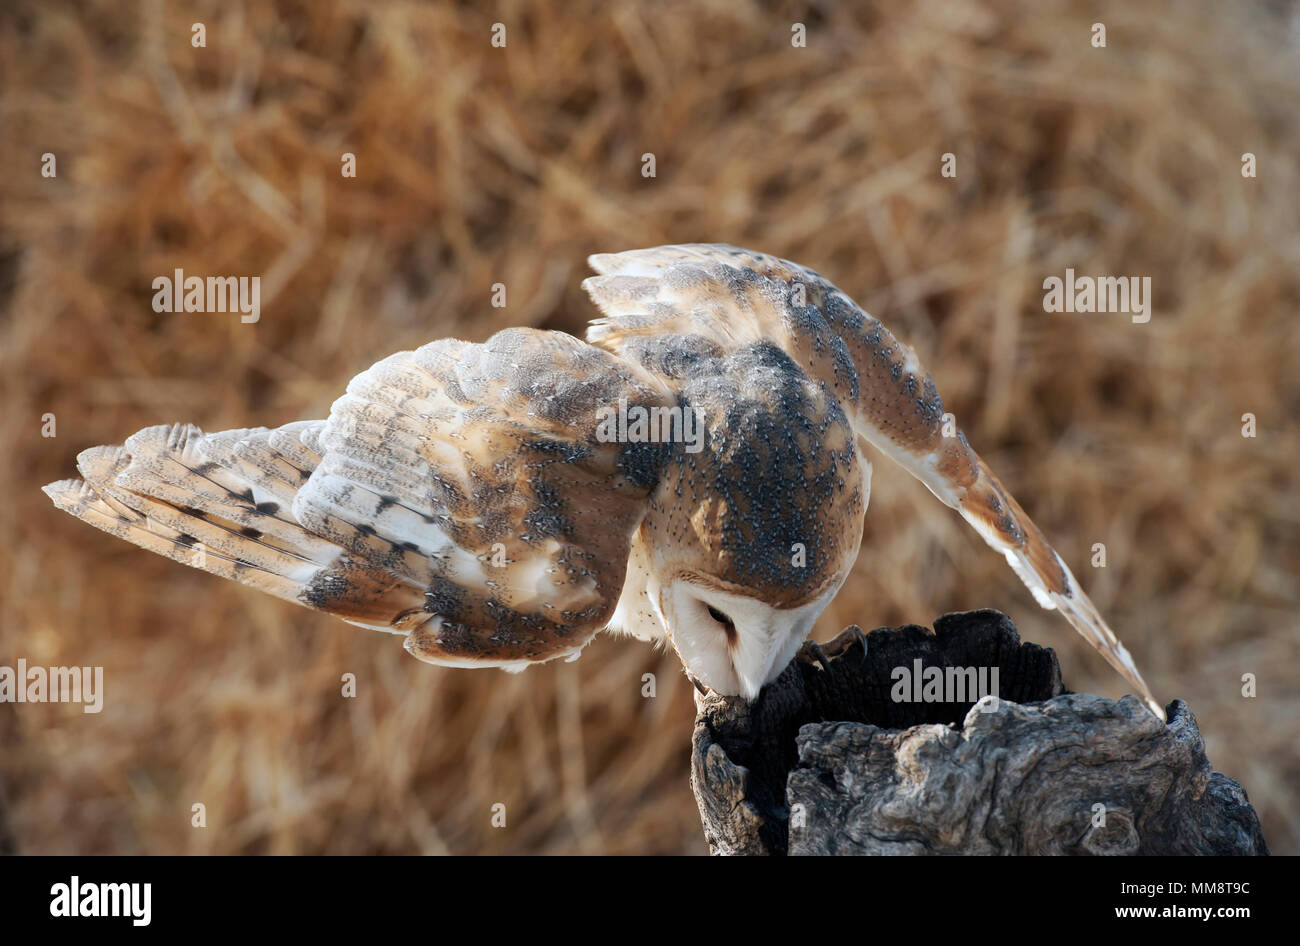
751	535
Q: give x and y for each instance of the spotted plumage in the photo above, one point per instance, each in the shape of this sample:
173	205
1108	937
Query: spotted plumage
482	501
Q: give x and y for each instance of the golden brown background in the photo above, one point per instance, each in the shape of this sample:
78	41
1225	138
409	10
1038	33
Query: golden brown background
479	165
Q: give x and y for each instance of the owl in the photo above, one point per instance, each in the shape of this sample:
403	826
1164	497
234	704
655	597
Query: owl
693	473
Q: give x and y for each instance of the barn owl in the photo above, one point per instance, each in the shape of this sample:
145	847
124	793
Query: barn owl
692	473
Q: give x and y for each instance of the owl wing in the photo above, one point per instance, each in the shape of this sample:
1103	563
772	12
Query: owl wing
459	494
654	300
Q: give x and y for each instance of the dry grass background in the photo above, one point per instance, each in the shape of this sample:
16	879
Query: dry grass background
478	165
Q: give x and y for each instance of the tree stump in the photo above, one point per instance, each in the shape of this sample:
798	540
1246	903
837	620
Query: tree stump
833	758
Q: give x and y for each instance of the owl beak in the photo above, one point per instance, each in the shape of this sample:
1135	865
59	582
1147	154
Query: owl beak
761	657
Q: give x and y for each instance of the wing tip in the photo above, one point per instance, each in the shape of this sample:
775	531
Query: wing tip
601	263
66	493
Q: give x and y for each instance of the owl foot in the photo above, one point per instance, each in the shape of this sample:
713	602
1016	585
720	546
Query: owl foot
814	653
846	639
811	652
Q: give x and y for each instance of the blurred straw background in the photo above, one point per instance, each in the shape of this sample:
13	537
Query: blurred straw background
479	165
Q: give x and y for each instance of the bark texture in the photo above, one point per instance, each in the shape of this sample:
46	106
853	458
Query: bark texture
828	761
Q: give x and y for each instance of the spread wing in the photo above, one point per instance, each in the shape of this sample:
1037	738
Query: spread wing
733	297
458	494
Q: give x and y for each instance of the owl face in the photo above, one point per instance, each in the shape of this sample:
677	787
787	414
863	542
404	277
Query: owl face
733	643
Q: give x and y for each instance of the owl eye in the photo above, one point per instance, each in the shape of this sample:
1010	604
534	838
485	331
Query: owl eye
721	618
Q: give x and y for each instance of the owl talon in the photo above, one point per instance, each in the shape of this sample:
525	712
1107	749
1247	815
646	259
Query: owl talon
845	639
811	652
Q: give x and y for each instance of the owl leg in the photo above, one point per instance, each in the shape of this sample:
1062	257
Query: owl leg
843	642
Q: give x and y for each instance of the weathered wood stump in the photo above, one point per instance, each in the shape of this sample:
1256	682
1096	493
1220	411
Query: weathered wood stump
829	761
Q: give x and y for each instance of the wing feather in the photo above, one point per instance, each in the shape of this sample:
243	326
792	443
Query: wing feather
195	528
458	494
